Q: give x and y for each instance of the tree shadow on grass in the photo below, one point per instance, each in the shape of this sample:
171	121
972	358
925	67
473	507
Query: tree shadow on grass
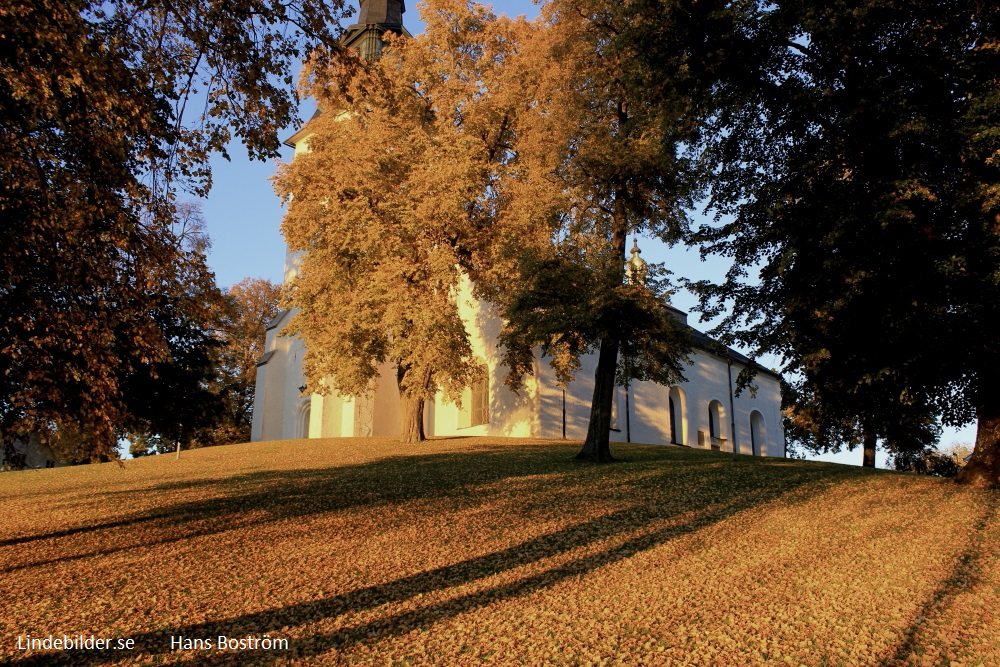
260	497
963	577
282	494
705	493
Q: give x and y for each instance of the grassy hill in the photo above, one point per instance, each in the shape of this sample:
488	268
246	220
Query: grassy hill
468	551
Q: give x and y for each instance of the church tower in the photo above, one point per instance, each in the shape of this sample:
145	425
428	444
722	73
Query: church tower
376	18
281	411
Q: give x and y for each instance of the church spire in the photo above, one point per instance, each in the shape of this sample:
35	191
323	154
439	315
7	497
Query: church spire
636	267
387	12
375	19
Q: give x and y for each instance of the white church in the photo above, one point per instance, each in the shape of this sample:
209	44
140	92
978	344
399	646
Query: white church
704	411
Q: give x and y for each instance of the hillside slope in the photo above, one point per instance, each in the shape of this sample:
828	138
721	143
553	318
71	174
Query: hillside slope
468	551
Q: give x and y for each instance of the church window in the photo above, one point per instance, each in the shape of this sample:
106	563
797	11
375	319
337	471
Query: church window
757	437
475	408
305	410
673	420
715	420
677	413
481	398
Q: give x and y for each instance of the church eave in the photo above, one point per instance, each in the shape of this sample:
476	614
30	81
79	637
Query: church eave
714	347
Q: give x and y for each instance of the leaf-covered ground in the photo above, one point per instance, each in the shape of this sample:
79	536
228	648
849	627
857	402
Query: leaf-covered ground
469	551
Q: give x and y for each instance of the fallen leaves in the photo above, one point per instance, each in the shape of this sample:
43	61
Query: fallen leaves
494	551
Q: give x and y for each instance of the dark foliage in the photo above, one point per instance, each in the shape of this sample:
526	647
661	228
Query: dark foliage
93	140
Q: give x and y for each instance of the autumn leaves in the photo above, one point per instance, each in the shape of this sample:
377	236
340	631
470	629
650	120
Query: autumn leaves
500	150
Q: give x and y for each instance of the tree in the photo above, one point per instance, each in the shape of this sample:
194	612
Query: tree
928	461
94	139
600	154
250	306
178	398
383	206
860	168
204	395
863	415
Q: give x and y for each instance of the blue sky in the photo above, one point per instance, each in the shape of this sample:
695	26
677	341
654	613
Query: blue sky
243	217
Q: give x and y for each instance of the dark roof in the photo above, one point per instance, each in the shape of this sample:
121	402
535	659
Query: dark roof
266	358
277	319
388	12
294	139
713	346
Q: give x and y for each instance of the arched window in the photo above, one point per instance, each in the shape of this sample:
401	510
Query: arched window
673	421
677	407
305	410
713	420
758	435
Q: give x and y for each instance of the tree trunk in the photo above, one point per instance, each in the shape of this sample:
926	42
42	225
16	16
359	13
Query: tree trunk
869	439
411	406
412	415
597	446
983	469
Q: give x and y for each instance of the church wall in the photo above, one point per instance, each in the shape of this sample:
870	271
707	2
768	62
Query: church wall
269	412
347	421
510	414
316	415
708	380
578	396
331	410
259	403
649	412
767	401
279	409
537	410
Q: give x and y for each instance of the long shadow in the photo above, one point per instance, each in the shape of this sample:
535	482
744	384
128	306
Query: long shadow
287	494
962	577
292	494
267	496
708	501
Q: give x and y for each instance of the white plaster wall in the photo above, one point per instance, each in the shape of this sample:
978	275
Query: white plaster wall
707	381
649	414
511	415
277	401
766	400
536	411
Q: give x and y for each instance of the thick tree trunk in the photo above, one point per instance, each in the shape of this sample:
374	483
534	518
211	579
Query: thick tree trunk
411	406
597	446
983	469
412	415
869	440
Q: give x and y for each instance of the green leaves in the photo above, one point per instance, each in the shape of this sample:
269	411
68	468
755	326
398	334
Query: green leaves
848	167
